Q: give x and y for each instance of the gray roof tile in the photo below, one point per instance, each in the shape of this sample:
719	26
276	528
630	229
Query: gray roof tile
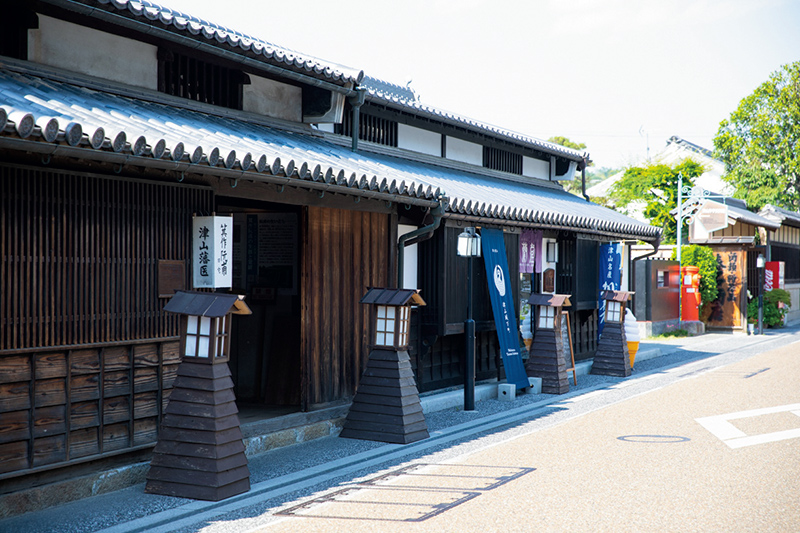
151	130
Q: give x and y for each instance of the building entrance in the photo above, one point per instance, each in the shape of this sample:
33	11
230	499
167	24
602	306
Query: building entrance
265	348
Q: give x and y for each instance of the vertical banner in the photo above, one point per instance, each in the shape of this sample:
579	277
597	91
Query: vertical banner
527	251
212	265
494	254
610	278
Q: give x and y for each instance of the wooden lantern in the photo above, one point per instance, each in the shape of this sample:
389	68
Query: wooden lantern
547	355
612	357
206	319
200	453
386	406
392	312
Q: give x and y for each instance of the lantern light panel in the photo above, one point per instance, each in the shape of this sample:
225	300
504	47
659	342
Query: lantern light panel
613	311
547	317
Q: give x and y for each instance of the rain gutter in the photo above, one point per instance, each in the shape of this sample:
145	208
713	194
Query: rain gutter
437	213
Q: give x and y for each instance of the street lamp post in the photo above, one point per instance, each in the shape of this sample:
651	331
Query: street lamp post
469	246
760	264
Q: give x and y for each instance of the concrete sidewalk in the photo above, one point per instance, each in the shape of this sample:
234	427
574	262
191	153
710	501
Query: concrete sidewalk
443	410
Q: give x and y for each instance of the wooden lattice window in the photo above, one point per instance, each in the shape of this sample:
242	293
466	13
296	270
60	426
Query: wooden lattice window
196	79
503	160
80	256
370	128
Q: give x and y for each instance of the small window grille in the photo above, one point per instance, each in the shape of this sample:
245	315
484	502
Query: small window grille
384	330
370	128
195	79
547	317
198	331
502	160
613	310
403	326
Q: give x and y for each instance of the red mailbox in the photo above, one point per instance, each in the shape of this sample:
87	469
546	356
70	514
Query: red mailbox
690	293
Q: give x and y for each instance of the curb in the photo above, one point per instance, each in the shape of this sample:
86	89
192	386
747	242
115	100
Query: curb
58	493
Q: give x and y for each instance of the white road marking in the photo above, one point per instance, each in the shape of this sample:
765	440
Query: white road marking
721	427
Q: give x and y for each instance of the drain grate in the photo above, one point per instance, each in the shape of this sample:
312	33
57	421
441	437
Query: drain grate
412	493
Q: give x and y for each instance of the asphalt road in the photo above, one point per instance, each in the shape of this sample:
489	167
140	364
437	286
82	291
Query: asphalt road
718	450
706	438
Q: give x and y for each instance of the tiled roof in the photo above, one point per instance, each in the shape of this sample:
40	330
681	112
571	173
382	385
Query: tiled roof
406	99
50	114
780	215
385	92
166	18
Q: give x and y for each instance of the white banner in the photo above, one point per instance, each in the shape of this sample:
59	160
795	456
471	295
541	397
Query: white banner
212	252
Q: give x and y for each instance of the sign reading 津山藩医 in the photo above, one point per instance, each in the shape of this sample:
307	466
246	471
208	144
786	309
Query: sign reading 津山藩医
212	252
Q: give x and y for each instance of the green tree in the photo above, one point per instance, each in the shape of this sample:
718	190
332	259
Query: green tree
772	312
656	185
563	141
703	258
759	142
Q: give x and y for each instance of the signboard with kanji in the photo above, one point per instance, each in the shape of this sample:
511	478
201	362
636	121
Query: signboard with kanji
212	252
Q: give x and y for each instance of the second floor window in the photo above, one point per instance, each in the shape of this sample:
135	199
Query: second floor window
502	160
195	79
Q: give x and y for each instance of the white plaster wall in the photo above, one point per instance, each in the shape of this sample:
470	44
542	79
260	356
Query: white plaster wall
273	99
793	316
96	53
419	140
409	259
464	151
535	168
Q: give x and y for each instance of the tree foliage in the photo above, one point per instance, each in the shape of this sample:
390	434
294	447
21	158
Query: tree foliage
563	141
703	258
772	311
656	185
759	142
573	186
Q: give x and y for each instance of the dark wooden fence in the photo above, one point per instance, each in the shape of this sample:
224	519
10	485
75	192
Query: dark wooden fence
86	351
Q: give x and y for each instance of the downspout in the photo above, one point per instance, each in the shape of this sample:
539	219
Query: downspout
437	213
583	178
357	101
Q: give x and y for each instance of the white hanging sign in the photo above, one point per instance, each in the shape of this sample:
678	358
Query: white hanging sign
212	252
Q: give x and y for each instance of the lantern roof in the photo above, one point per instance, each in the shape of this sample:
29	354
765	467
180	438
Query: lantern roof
617	296
211	304
395	297
551	300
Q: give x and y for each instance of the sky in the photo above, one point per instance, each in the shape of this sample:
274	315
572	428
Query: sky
621	76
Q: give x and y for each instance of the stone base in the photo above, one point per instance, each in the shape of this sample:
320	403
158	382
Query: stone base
651	329
386	406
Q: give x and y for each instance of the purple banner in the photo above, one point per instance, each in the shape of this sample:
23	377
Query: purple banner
530	251
527	252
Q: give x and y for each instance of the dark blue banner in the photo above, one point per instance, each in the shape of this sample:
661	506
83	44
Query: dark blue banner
610	278
505	318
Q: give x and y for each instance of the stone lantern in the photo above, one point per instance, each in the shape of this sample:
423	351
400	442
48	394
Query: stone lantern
386	406
200	453
612	357
546	358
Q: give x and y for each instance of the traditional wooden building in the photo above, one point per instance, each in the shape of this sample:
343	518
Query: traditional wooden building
121	120
736	247
783	244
